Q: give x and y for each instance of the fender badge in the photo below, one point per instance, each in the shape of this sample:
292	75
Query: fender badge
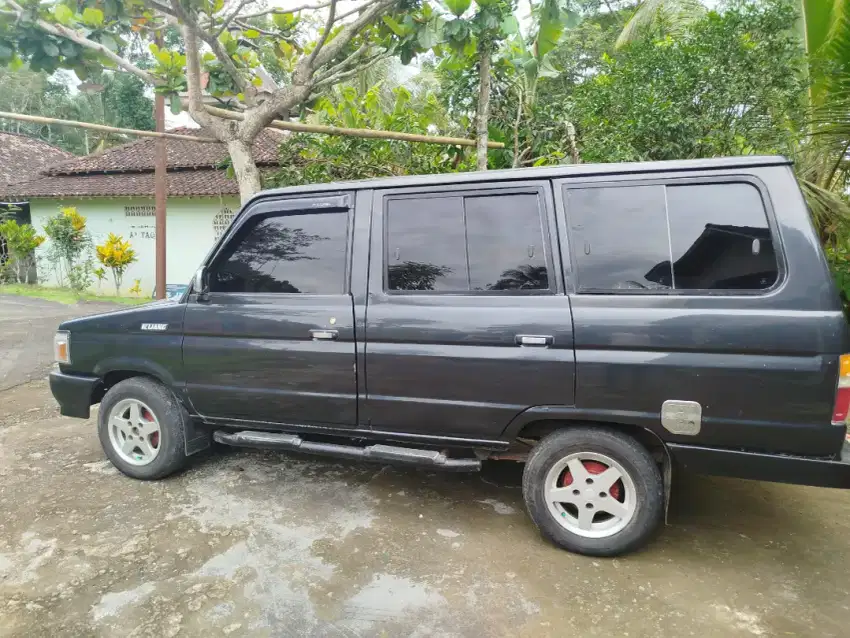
159	327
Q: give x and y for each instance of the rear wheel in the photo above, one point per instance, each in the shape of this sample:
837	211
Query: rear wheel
140	426
593	491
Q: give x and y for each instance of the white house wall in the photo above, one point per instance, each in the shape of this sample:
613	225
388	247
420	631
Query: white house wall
189	234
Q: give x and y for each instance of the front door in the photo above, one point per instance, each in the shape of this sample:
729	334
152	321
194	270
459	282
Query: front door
274	341
467	322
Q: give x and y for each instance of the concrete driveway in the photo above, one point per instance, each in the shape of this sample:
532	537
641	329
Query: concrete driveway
261	544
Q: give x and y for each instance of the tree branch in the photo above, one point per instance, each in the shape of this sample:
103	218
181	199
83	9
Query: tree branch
343	16
278	10
244	26
193	82
326	34
213	42
344	75
344	36
232	16
303	77
74	36
344	65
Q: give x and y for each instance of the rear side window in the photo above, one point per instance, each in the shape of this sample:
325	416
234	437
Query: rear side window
427	245
468	243
719	238
296	253
696	237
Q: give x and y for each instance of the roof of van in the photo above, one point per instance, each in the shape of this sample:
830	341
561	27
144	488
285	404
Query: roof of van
542	172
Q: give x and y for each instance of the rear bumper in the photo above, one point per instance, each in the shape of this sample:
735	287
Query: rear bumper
799	470
73	393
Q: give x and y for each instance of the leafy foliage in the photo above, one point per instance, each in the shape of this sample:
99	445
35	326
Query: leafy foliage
121	102
730	84
320	158
21	242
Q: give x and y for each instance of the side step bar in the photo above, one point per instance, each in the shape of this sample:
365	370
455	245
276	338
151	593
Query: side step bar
386	453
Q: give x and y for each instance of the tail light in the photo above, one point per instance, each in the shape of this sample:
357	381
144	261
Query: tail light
842	393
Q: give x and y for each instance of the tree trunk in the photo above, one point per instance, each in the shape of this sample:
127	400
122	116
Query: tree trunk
247	173
516	130
483	114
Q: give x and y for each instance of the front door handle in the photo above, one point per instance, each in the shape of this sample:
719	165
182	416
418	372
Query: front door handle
324	335
541	341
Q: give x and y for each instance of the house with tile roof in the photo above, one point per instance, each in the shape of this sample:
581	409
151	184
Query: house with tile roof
114	190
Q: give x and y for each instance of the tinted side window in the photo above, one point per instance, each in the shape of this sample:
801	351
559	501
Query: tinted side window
505	243
720	238
619	237
466	243
426	248
298	253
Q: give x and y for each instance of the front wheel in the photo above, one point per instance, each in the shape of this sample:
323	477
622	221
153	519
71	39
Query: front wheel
593	491
140	426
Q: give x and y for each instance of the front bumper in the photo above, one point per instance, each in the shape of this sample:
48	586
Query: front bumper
778	468
73	393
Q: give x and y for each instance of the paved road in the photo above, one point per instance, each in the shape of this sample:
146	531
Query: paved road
261	544
26	335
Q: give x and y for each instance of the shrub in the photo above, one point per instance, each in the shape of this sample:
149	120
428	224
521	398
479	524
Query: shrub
69	248
21	242
117	255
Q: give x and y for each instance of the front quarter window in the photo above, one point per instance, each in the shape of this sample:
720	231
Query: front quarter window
295	253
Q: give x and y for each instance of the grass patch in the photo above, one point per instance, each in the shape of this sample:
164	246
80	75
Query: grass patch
64	295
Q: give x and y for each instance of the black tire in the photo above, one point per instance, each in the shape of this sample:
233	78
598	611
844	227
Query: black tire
171	416
631	455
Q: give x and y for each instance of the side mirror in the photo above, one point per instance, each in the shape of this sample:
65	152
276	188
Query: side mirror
200	284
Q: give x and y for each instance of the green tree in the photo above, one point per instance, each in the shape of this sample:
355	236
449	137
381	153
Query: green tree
820	156
221	50
728	84
119	100
463	37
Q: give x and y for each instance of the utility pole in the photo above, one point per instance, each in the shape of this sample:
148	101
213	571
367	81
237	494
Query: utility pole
160	187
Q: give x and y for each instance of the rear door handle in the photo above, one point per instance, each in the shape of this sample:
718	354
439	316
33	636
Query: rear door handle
541	341
324	335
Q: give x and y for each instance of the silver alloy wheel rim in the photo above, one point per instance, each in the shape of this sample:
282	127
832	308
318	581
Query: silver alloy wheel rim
586	507
134	432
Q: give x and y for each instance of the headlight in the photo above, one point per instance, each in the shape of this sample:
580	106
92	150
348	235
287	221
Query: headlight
62	347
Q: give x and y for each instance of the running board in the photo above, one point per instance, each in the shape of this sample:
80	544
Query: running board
385	453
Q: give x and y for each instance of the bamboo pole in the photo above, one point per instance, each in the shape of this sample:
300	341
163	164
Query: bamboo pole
277	124
37	119
298	127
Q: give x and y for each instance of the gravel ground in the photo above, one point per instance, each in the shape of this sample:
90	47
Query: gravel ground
247	543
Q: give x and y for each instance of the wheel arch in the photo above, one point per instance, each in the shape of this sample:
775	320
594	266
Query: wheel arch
535	423
538	421
539	428
116	370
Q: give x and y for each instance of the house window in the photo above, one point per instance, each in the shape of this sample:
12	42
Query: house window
139	211
221	221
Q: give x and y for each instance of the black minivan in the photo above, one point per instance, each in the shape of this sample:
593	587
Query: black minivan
604	324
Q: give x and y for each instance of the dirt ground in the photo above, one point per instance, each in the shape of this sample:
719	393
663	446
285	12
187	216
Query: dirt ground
247	543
